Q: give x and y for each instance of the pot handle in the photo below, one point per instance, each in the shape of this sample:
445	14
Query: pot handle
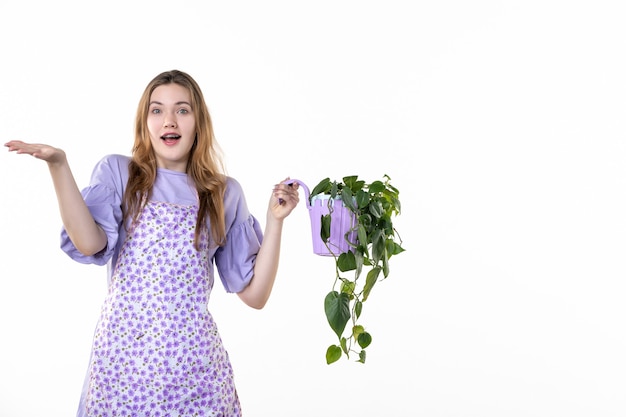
306	191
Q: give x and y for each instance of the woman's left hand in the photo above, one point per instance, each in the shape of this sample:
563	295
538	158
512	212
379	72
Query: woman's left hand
284	199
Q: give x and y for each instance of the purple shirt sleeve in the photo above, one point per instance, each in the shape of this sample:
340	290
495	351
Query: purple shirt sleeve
103	197
236	259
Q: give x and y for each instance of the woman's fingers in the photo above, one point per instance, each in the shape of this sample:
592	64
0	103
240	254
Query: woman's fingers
287	191
38	150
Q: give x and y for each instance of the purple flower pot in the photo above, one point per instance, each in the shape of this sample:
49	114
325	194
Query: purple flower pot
342	221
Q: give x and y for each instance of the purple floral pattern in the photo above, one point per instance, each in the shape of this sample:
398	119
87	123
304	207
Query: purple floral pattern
157	351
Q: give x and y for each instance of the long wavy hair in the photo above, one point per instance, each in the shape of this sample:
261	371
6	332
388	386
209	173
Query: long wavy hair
205	165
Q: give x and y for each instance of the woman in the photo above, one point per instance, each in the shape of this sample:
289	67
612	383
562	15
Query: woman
161	219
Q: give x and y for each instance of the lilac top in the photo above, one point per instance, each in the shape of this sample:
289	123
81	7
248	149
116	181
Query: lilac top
235	260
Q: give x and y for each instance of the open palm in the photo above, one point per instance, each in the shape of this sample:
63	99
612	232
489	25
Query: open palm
47	153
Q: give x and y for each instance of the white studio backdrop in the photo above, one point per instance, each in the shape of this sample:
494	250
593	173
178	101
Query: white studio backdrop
501	122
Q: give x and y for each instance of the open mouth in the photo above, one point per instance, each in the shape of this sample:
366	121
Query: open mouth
170	139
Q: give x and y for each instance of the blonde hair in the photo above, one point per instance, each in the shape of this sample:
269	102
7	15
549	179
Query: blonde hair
205	165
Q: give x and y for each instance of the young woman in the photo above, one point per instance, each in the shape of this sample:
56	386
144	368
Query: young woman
161	219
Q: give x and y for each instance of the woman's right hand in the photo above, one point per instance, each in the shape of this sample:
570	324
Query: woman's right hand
87	236
46	153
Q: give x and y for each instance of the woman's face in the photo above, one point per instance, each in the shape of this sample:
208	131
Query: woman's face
172	126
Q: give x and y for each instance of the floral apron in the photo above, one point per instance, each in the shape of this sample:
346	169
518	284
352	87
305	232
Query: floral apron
157	351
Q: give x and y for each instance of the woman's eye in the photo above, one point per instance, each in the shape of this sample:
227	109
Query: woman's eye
183	111
155	111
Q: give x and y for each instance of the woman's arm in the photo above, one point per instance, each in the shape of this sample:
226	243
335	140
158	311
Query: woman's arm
284	199
86	235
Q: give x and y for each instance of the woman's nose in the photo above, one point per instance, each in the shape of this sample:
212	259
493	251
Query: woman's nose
169	122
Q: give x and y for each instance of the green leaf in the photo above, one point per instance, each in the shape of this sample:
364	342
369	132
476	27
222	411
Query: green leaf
357	330
397	207
346	262
378	246
360	260
353	183
333	353
365	220
358	308
321	188
334	188
364	339
385	266
361	356
348	287
376	187
372	277
362	199
348	201
362	236
325	229
393	248
376	209
337	309
350	179
344	345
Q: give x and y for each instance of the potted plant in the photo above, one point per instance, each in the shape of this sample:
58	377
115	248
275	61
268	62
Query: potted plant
352	221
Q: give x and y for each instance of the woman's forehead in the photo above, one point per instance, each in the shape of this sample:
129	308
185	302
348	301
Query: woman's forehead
170	93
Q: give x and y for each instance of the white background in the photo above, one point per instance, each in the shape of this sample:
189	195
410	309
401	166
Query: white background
501	122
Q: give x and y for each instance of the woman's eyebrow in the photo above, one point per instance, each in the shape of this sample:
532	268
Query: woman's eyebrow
178	103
